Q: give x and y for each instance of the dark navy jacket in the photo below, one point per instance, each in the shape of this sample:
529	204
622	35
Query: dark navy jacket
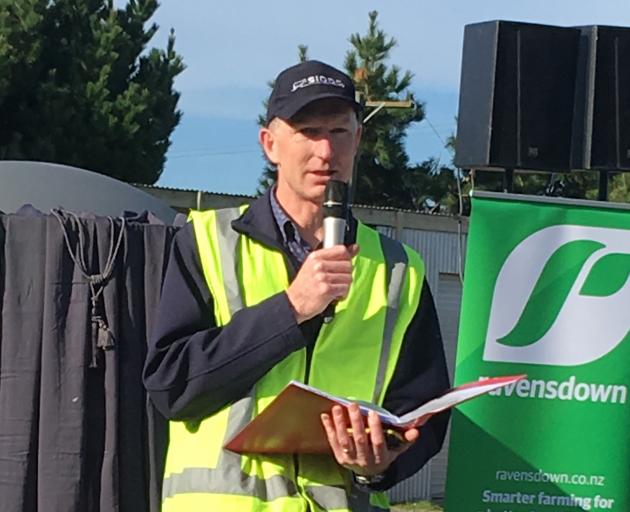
194	368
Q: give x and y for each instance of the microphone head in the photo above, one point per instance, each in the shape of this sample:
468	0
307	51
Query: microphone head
336	199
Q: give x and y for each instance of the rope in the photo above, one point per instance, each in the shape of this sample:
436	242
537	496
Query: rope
102	336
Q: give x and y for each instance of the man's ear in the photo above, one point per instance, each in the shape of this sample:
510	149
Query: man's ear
267	140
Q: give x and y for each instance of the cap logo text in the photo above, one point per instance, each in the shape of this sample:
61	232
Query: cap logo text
317	80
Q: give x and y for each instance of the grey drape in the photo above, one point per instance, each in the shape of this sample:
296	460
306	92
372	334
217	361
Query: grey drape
76	431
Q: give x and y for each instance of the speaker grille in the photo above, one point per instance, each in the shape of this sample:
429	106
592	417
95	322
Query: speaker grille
517	96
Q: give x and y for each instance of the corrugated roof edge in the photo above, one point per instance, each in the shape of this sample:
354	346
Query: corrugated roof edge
184	199
195	190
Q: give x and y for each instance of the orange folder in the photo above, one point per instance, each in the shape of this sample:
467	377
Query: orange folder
291	423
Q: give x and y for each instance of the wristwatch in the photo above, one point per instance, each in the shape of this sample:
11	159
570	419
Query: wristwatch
368	479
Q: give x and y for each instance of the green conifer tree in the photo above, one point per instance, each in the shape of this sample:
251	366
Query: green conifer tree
78	86
383	162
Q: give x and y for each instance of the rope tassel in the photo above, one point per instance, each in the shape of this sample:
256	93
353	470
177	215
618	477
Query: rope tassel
101	335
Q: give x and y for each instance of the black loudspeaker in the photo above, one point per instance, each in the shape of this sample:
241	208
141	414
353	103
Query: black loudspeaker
601	139
516	97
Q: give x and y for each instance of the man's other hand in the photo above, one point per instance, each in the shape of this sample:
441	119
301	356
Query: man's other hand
364	453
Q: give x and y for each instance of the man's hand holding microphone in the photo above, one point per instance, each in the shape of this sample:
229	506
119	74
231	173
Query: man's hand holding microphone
326	274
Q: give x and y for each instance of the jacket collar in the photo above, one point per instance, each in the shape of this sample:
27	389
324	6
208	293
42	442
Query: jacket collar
259	223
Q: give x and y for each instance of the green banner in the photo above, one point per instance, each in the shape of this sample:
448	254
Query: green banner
546	293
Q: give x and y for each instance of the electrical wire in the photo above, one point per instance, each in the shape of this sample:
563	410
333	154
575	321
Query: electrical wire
435	131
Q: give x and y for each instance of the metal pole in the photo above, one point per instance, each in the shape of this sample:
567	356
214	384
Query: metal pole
602	194
508	180
377	105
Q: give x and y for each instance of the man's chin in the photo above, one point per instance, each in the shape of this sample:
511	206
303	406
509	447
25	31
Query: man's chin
316	194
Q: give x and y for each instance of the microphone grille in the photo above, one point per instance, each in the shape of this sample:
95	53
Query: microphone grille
336	193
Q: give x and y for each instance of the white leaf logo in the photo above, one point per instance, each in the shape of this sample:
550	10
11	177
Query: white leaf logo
543	308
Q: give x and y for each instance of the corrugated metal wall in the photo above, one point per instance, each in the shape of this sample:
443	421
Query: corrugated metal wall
416	488
439	250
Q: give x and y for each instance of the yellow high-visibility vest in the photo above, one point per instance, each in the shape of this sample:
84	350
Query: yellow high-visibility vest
354	356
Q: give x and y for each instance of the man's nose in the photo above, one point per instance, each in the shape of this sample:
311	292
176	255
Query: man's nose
324	147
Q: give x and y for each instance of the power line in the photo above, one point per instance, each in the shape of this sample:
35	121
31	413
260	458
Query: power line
435	131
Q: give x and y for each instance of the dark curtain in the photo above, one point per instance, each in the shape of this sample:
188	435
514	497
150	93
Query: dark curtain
78	299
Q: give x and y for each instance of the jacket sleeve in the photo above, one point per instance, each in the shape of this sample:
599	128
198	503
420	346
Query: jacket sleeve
421	375
193	368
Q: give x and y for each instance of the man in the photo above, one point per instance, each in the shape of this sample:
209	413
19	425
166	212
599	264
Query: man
242	313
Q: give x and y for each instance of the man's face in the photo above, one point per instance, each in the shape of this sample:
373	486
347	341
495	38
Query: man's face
315	146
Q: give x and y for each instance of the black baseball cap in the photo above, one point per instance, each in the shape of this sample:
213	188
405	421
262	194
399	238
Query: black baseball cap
308	81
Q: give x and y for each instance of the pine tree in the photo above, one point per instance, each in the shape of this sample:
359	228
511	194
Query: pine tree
79	87
383	163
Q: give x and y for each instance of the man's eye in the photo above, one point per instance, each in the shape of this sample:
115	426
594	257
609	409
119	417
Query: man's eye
308	131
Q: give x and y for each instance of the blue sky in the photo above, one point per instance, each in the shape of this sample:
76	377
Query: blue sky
232	49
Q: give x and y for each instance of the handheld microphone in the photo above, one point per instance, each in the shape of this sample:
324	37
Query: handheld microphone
335	209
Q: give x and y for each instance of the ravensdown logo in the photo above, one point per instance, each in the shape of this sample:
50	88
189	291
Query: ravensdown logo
562	297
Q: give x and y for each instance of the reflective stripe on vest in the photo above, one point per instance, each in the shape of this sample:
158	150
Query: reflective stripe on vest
227	477
396	266
228	242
